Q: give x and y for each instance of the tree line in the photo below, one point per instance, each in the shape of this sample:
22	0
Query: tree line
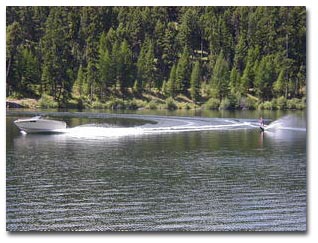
221	54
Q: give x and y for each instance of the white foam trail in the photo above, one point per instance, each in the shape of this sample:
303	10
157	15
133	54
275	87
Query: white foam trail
195	128
173	125
287	123
100	132
294	129
115	132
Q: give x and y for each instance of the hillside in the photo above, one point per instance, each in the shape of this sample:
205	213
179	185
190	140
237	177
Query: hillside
95	55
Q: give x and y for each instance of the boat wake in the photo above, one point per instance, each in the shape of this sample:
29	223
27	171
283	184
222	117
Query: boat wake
287	123
100	132
152	124
164	125
160	125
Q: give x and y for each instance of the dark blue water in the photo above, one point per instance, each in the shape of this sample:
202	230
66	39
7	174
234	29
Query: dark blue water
173	174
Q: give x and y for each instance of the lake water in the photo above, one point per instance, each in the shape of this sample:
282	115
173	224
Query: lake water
130	172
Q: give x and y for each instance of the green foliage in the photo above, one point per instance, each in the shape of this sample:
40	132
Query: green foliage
251	104
188	31
281	103
96	53
249	72
264	77
183	73
124	66
171	84
78	85
164	88
57	56
186	106
116	104
234	80
228	103
152	105
132	105
225	104
269	105
212	104
171	104
47	101
195	82
105	65
13	41
146	65
295	103
99	105
279	86
137	87
30	74
247	103
220	78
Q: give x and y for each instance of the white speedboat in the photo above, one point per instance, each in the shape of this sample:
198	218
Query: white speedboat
39	125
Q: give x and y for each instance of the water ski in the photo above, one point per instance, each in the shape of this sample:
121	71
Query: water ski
262	127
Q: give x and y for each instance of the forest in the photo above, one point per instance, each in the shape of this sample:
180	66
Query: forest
152	57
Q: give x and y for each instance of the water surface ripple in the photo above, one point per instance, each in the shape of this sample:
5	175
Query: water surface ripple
207	180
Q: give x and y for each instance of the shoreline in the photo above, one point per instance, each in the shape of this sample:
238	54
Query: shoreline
154	104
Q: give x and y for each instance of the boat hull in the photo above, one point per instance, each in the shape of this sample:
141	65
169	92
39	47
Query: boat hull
40	125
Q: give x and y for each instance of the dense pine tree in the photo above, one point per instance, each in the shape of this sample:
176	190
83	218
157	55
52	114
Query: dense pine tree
220	78
183	72
195	82
94	52
78	87
171	84
105	67
57	57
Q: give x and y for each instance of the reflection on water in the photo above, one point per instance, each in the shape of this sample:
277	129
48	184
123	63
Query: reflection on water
224	177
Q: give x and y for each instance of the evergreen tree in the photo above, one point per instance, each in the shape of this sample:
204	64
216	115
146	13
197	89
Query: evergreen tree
105	68
146	65
126	71
234	80
109	39
280	84
195	82
164	88
263	48
171	84
150	65
115	63
91	79
182	73
189	30
57	58
248	76
142	65
240	53
13	39
220	78
265	77
137	89
30	73
169	54
78	85
246	79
